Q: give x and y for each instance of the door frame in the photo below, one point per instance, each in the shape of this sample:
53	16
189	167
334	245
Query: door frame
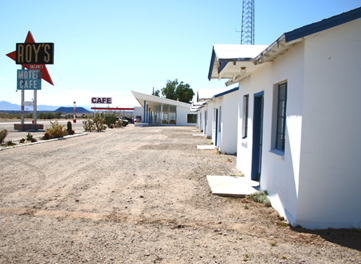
257	138
216	132
205	122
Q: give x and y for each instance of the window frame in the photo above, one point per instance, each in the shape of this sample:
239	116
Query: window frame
219	118
196	118
245	116
281	135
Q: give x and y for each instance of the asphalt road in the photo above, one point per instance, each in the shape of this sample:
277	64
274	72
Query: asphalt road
14	134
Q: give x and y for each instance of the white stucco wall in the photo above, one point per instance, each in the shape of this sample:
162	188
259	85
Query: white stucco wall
207	126
217	102
182	113
280	171
201	119
330	178
139	111
227	138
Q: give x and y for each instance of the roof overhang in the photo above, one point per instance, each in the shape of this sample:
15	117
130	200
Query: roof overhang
233	62
237	62
226	92
204	95
277	48
152	100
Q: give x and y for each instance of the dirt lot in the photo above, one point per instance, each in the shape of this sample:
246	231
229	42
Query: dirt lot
140	195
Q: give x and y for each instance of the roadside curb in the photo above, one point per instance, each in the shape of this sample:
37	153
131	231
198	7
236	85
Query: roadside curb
44	141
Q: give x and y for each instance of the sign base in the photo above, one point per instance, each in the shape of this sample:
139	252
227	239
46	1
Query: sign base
28	127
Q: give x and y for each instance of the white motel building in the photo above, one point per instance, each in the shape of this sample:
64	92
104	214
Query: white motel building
294	119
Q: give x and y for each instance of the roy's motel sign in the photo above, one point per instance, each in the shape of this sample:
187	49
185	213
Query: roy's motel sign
34	53
28	80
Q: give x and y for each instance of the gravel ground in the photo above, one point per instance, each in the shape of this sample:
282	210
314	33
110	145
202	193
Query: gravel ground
140	195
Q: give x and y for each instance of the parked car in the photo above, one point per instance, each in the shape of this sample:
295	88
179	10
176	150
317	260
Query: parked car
130	120
125	122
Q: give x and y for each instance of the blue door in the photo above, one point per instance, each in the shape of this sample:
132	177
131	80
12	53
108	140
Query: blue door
257	137
216	132
205	122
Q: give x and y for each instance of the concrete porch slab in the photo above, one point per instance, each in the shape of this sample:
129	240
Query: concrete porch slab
198	135
195	130
232	186
206	147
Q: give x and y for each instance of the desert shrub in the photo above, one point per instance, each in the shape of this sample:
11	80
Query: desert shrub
99	122
3	134
29	137
111	126
48	115
58	114
56	130
46	136
119	123
22	140
10	143
110	119
33	140
260	197
88	125
69	128
72	132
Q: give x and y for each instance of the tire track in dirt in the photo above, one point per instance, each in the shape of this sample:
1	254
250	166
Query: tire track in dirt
119	218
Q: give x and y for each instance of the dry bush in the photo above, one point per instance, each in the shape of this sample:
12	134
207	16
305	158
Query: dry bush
3	134
56	130
260	197
88	125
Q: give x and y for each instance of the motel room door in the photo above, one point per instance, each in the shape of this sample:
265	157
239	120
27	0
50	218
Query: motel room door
216	131
257	137
200	122
205	122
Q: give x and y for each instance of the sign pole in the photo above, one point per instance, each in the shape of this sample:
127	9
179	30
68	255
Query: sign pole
22	106
74	104
35	106
22	103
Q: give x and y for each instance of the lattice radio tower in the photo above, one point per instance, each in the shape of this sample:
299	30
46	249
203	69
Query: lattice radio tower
247	28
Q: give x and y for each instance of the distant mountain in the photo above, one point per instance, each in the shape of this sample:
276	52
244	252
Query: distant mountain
15	107
4	105
9	106
70	110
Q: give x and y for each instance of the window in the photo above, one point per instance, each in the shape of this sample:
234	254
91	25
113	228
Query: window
219	118
281	116
191	118
245	116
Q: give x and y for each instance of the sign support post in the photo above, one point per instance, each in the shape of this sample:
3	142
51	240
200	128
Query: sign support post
22	103
22	106
74	105
35	106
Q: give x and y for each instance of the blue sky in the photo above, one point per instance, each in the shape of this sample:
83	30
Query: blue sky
108	48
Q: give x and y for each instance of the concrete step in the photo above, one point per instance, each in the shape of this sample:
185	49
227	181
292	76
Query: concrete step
206	147
232	186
